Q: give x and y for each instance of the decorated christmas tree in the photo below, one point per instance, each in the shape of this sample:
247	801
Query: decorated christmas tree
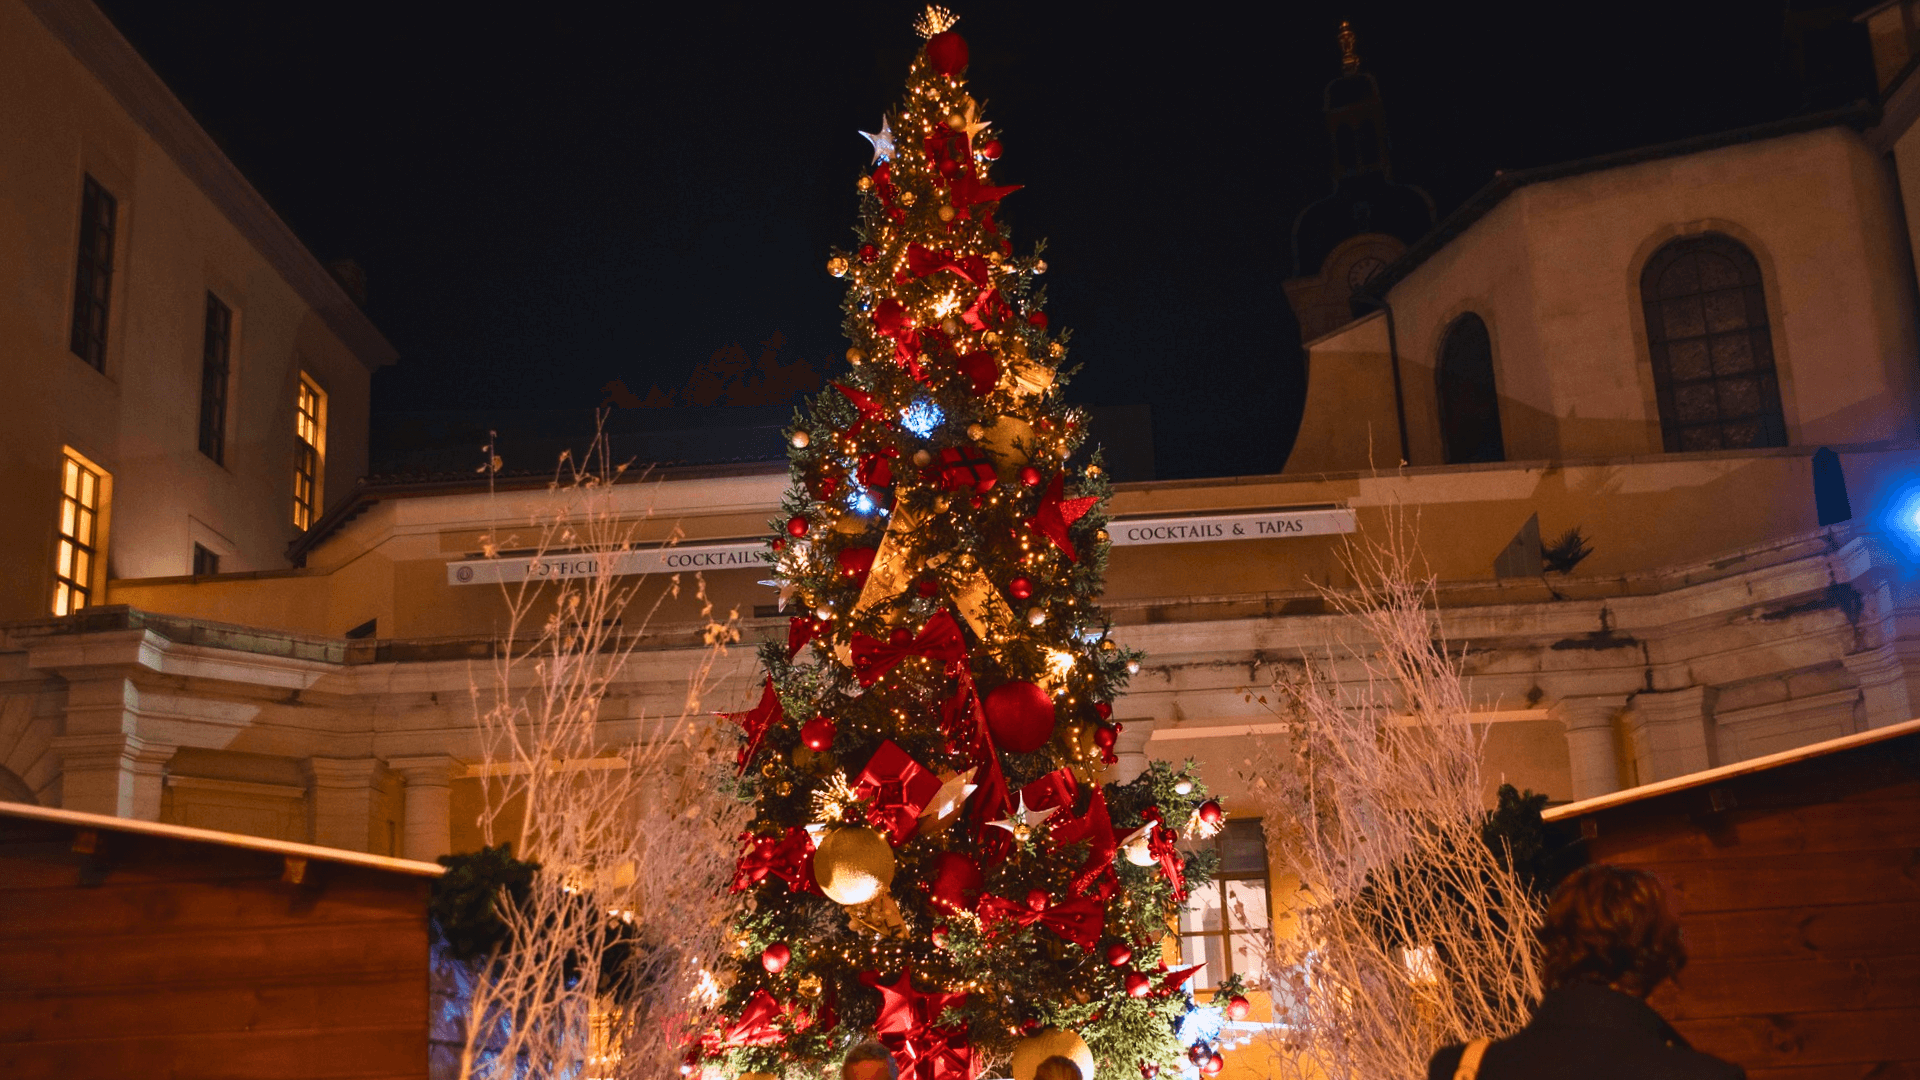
933	861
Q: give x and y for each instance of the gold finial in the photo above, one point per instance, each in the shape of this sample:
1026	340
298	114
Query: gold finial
934	20
1349	60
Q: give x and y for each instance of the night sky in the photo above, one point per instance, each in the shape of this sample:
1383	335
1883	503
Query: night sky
546	197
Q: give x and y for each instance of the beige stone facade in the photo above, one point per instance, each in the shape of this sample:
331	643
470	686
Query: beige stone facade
77	107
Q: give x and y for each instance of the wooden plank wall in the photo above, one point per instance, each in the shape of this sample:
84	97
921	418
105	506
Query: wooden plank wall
161	958
1799	890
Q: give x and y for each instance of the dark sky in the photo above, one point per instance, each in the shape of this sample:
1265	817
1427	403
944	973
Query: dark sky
549	196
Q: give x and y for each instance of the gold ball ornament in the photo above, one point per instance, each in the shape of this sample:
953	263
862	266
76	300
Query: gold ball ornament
949	327
865	183
976	432
1056	350
1036	616
809	986
1094	470
854	356
837	266
1029	1052
922	459
853	865
801	440
1040	266
956	121
907	198
946	213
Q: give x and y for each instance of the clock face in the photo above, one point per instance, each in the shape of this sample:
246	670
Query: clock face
1363	270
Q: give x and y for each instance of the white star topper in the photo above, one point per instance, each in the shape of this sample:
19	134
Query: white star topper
882	143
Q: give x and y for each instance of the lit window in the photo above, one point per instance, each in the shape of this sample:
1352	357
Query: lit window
215	352
309	451
93	274
76	555
1222	922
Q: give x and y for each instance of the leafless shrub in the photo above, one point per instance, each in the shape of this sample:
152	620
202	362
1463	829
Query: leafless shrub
602	971
1409	930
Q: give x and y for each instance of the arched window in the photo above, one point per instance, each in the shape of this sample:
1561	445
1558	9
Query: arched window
1469	406
1712	352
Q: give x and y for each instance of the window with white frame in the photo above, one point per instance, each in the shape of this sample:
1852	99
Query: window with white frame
1223	921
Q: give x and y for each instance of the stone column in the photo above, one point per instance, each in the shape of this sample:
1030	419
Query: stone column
97	773
1591	755
428	830
340	794
1886	692
1672	733
1131	748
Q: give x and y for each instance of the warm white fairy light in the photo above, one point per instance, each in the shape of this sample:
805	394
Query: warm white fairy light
934	20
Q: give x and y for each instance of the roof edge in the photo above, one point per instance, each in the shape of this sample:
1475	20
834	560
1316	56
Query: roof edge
1859	116
162	830
100	47
1728	772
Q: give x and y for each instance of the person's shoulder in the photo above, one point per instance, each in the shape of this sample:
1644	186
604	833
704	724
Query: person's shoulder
1445	1062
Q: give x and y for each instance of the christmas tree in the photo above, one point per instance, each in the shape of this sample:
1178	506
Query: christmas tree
932	860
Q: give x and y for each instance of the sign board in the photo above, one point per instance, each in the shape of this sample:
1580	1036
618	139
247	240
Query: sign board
741	555
752	554
1260	525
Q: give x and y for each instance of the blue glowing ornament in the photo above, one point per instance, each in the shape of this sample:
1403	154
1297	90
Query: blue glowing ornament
882	141
1202	1023
921	417
859	500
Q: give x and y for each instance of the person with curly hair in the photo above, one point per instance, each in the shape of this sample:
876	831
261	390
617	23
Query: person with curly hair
1609	938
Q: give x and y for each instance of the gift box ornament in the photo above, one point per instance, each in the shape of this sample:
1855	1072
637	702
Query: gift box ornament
966	468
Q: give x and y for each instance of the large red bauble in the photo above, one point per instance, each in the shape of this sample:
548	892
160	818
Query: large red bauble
1118	955
947	52
991	151
775	957
957	882
890	315
797	526
1138	985
1020	717
855	562
982	371
1238	1007
1029	476
1211	813
1019	588
1214	1064
817	734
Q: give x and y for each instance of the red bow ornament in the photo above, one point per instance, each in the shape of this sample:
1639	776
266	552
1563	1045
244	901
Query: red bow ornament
789	858
1161	843
1095	826
939	640
899	788
933	1053
1079	921
800	630
755	721
871	411
1056	514
755	1026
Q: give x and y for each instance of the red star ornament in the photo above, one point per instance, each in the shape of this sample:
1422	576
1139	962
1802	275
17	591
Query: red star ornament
903	1009
1055	514
755	722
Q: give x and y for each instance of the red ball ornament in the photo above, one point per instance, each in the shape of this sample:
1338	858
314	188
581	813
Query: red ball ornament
938	937
1214	1064
868	253
1029	476
1105	710
928	586
1119	955
1029	1026
1037	899
1138	985
775	957
1149	1070
1019	588
947	53
957	882
982	371
890	315
817	734
900	636
1037	320
1020	717
855	562
1200	1053
1103	737
796	526
1238	1007
1211	813
779	543
991	151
